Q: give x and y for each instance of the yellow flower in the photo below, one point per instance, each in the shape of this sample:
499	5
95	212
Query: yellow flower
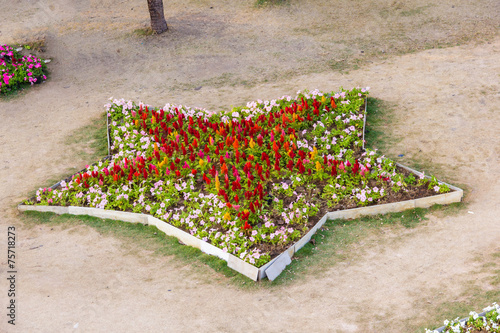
211	140
136	122
201	162
314	153
217	183
156	146
323	99
153	120
227	216
162	163
318	166
251	143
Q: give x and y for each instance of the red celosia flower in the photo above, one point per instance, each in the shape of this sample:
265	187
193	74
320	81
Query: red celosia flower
332	102
246	226
260	140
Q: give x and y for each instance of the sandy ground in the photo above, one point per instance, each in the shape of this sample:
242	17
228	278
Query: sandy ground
447	115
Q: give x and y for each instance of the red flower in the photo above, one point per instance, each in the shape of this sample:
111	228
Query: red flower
246	226
332	102
260	140
334	170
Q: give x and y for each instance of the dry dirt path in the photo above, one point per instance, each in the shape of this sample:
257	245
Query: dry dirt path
80	280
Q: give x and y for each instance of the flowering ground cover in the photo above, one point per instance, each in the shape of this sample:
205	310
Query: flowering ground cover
488	322
18	70
252	180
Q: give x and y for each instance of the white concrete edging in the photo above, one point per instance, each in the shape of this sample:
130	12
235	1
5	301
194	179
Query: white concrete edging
273	268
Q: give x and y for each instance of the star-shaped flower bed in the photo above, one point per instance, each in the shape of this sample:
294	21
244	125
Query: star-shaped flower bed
251	181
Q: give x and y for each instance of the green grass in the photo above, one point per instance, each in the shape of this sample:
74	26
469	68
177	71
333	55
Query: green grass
144	31
94	137
379	118
267	3
415	11
13	93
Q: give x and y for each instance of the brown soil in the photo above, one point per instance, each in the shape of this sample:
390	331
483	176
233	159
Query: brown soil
446	119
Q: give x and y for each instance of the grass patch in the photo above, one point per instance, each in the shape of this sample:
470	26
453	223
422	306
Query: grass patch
414	11
143	31
379	119
339	66
37	45
12	94
268	3
94	136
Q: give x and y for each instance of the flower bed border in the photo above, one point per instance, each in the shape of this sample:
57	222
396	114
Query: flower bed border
273	268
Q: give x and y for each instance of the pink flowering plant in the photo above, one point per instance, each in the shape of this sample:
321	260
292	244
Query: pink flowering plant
252	180
17	70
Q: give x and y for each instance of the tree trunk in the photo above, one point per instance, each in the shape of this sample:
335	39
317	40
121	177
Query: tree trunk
158	23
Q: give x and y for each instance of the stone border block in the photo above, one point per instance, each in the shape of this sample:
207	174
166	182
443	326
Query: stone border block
243	267
53	209
278	265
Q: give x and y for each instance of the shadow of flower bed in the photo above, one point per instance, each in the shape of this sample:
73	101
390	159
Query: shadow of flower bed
251	181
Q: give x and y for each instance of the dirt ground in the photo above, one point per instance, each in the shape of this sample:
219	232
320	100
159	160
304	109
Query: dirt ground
223	53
